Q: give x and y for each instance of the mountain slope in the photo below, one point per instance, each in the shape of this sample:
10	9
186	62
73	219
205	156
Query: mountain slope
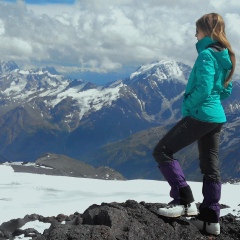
80	116
133	156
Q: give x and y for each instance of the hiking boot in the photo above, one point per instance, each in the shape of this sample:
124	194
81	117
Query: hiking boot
208	227
178	210
207	220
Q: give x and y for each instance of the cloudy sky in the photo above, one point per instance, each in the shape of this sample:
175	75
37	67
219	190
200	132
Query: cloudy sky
106	35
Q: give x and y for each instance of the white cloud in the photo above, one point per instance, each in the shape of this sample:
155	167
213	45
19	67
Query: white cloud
2	27
106	35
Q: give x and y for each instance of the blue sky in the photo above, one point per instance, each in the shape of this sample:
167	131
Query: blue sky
45	1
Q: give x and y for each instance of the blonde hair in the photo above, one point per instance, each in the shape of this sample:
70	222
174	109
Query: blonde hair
212	25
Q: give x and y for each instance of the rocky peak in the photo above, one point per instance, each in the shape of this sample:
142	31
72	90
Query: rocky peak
160	70
7	67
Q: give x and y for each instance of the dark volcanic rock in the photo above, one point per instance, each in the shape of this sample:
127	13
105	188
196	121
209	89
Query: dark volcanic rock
119	221
59	231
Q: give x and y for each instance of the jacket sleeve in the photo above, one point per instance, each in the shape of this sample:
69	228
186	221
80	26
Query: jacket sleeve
205	72
226	92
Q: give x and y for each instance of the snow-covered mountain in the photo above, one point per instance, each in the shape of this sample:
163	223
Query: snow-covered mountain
42	111
7	67
47	87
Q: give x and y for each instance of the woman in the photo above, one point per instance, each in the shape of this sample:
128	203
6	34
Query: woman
203	116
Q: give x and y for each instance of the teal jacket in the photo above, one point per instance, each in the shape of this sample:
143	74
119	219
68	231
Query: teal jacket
205	88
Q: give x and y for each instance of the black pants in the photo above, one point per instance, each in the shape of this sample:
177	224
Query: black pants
187	131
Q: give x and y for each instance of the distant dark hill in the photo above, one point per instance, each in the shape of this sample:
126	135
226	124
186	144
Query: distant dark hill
60	165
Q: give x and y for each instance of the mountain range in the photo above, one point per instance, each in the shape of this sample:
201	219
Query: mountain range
114	125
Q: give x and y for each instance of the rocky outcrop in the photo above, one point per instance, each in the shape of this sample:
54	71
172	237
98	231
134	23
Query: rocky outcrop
118	221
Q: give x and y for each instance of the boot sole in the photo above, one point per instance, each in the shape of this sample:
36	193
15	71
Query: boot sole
192	214
185	215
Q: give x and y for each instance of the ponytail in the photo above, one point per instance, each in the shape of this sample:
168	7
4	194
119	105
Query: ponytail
212	25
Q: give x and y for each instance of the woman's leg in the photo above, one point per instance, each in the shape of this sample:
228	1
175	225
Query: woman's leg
208	147
209	210
185	132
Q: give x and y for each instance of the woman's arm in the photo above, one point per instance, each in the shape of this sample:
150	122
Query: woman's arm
205	72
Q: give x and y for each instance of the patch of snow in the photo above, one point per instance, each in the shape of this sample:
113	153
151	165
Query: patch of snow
52	195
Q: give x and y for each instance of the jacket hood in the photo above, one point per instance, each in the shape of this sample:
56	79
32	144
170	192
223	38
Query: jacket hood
222	56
